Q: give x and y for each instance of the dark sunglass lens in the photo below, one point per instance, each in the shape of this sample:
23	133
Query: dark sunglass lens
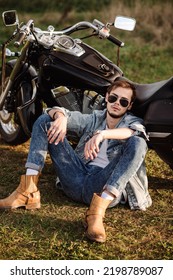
124	102
112	98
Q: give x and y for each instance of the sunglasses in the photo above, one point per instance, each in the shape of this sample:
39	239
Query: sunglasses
123	101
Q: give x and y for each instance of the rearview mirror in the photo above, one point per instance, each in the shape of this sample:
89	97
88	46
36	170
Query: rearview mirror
125	23
10	18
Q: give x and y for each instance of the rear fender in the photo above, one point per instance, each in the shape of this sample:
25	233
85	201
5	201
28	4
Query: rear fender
159	124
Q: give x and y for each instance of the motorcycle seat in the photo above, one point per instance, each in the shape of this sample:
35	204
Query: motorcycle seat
145	91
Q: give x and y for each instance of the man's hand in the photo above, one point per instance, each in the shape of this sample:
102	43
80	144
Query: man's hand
92	146
57	130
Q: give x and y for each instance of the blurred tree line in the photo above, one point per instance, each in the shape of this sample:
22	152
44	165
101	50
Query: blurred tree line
61	5
66	6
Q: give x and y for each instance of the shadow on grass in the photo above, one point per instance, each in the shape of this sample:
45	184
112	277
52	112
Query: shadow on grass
29	233
160	183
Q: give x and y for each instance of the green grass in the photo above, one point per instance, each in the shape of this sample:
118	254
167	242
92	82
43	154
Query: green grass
56	230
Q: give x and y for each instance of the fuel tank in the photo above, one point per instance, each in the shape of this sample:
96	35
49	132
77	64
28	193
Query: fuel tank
91	70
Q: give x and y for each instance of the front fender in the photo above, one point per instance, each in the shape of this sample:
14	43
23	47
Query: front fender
30	70
30	108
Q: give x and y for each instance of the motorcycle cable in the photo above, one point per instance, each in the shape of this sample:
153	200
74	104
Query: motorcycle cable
76	29
88	36
34	36
118	56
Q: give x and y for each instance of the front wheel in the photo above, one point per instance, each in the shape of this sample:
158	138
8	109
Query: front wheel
10	127
10	131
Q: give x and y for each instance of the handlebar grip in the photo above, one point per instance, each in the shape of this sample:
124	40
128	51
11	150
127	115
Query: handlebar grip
115	41
21	37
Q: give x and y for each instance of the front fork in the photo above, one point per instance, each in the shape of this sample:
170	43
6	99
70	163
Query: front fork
16	69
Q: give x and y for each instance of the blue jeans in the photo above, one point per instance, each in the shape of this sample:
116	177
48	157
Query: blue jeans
79	181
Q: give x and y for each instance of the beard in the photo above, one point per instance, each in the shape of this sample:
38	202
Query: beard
115	116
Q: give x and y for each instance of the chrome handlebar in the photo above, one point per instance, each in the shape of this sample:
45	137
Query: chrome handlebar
100	29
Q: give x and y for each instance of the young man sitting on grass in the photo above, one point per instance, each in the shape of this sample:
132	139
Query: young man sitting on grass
107	166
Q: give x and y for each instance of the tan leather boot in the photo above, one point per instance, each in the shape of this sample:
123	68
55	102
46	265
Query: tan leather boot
26	195
94	218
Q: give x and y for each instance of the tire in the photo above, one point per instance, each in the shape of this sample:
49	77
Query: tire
11	130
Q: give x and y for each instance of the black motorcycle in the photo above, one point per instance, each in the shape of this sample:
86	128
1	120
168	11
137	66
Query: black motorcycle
54	69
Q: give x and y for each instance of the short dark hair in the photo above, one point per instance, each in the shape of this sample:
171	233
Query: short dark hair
123	84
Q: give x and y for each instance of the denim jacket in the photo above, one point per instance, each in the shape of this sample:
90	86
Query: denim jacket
85	125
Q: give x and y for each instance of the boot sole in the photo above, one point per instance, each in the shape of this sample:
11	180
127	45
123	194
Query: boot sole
91	237
95	239
27	207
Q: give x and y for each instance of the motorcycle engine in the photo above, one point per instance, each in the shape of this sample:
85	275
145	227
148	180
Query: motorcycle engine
74	100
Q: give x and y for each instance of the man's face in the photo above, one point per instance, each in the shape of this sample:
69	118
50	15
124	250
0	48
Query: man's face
118	101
